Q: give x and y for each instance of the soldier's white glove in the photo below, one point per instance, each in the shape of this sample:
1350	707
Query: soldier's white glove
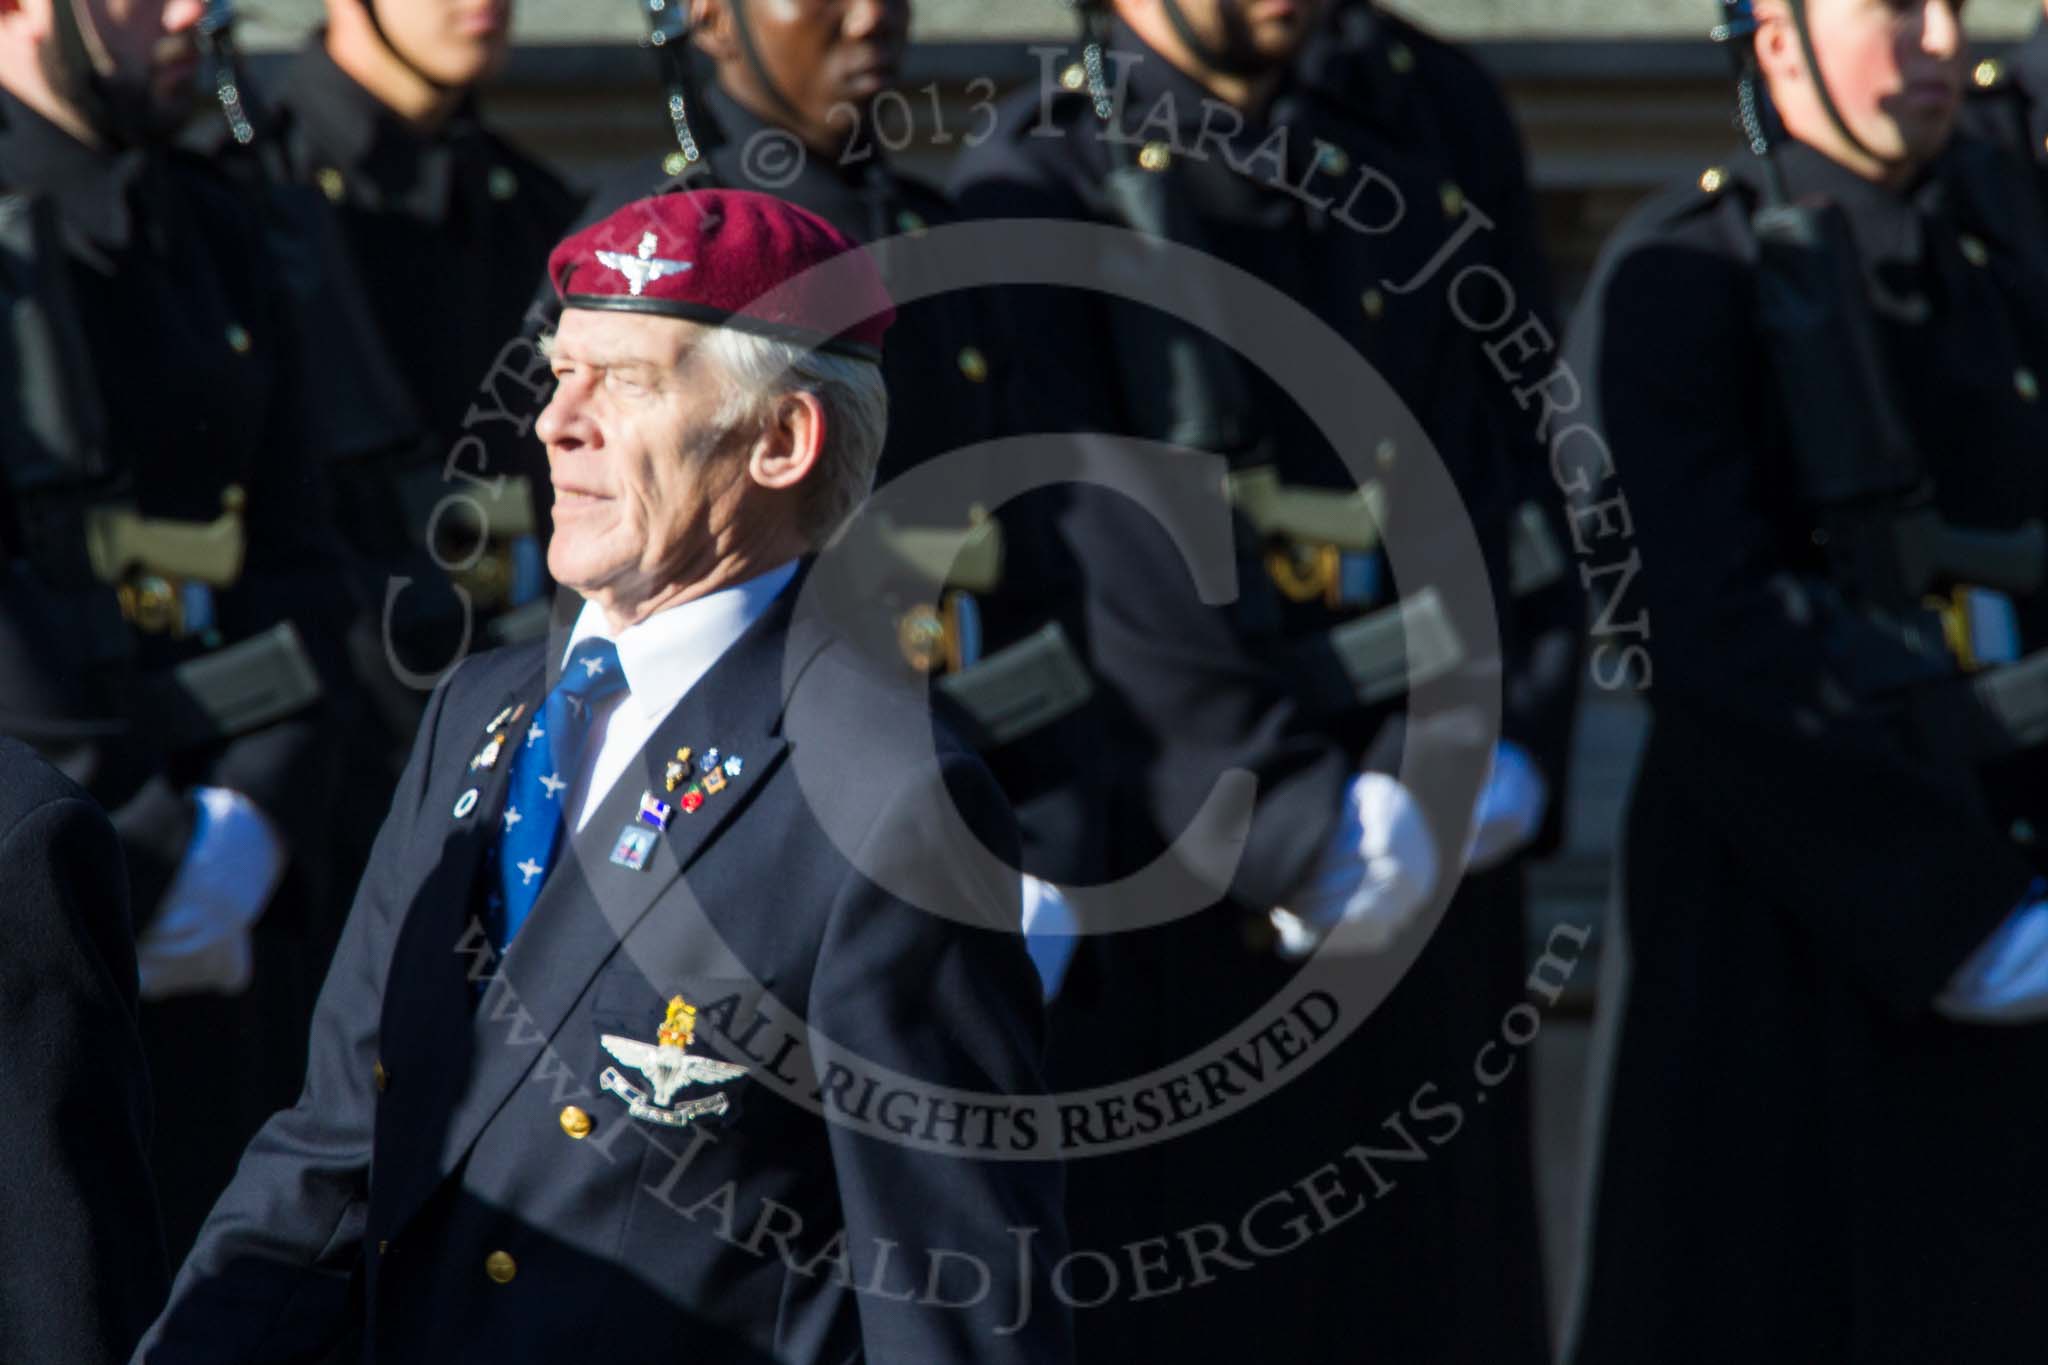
1379	870
1050	933
199	941
1511	807
2006	980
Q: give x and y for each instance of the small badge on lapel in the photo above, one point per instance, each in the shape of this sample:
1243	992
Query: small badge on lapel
668	1067
634	847
715	772
655	813
466	802
487	757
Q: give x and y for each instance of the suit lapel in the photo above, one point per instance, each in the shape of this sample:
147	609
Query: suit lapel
427	996
445	903
590	904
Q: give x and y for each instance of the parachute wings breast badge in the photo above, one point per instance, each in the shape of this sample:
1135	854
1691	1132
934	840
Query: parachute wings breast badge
643	267
668	1067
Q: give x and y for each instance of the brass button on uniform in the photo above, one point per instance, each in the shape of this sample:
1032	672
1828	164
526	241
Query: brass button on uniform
974	365
1712	179
1155	156
1374	303
1987	74
674	164
379	1076
1974	251
500	1266
331	183
1333	160
151	604
1074	77
1453	197
576	1123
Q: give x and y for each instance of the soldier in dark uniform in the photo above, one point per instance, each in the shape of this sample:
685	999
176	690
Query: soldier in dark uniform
1418	91
786	113
1812	370
1219	147
789	111
172	603
81	1253
446	225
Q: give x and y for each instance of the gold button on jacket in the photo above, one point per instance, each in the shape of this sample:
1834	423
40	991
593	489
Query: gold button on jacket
500	1266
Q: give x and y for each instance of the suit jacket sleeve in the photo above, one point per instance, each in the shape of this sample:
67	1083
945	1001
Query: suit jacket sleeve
270	1276
948	1004
1916	874
81	1253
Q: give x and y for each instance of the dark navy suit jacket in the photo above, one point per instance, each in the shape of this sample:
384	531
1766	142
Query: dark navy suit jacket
429	1195
81	1251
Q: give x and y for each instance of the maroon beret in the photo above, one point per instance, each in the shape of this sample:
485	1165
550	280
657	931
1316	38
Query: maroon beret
729	258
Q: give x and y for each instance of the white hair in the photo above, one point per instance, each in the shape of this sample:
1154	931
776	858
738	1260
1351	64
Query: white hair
760	370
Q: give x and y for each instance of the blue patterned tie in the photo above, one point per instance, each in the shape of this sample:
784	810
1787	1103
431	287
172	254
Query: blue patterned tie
545	763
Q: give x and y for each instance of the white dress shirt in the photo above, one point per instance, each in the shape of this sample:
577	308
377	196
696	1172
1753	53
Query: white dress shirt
662	657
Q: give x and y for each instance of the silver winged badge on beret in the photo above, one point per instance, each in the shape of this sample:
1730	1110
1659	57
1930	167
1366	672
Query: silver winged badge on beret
643	267
668	1067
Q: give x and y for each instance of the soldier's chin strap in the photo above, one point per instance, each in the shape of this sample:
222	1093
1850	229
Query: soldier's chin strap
369	8
875	174
1820	81
82	84
1209	55
223	64
1739	31
668	33
1095	34
751	50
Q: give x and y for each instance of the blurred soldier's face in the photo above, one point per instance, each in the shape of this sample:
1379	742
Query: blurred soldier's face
453	43
1252	35
815	56
1894	67
144	52
647	489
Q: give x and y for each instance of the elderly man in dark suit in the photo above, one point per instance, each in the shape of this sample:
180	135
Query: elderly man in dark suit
81	1253
670	1022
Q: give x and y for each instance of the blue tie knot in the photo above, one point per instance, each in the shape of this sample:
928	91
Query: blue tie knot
593	671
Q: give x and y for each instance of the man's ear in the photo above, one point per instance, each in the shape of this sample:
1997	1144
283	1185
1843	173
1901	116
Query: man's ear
1779	53
37	14
711	29
791	446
